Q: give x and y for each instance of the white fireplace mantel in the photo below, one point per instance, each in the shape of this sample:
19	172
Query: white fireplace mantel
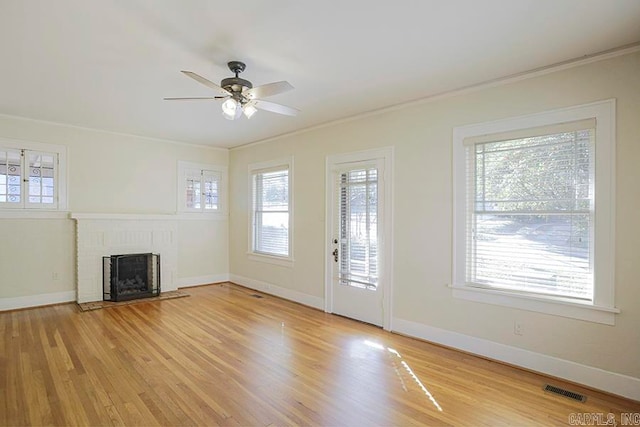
99	235
109	216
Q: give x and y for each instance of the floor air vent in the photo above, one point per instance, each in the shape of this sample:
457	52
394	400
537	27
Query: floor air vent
256	296
566	393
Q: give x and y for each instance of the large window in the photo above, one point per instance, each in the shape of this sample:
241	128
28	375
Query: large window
201	188
271	209
533	211
530	212
31	176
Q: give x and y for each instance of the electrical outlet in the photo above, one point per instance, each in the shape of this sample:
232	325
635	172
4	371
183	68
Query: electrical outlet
55	275
517	328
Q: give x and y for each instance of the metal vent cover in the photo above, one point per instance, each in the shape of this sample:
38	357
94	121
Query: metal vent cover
566	393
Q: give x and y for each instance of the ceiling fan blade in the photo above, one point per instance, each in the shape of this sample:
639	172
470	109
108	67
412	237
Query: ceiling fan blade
269	89
275	108
206	82
199	98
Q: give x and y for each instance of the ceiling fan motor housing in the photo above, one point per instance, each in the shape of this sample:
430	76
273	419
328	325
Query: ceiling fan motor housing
235	84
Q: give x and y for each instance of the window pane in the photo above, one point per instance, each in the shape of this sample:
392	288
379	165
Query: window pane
10	176
546	254
34	186
272	236
193	192
41	177
274	192
47	186
211	181
532	219
551	172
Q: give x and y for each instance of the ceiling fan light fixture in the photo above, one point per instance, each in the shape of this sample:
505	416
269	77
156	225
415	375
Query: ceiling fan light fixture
249	110
230	109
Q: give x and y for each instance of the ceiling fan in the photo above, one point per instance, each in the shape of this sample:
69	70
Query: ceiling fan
240	97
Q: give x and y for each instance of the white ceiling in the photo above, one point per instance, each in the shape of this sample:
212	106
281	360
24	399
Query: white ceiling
107	64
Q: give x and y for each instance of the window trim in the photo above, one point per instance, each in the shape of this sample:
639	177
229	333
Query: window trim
285	261
61	186
602	309
182	210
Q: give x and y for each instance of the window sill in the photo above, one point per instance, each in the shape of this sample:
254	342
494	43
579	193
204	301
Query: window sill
202	215
33	214
271	259
541	304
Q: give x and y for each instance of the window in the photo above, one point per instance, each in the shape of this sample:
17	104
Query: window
533	211
201	188
32	176
271	209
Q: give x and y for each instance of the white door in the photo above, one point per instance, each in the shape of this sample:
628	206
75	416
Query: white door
358	245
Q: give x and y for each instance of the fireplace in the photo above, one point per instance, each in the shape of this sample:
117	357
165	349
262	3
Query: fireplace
131	276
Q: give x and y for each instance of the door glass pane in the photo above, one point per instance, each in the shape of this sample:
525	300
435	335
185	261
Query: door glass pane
358	228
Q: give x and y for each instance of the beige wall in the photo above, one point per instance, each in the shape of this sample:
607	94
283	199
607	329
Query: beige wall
107	173
33	251
422	137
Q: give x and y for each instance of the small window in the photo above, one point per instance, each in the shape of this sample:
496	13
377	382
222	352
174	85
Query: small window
271	210
30	176
201	188
533	209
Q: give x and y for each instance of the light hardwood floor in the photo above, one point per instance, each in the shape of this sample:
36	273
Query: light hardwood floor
224	357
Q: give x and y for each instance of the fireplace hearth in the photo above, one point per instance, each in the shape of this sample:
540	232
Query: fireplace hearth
131	276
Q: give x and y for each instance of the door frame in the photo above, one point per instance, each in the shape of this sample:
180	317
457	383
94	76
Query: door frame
386	277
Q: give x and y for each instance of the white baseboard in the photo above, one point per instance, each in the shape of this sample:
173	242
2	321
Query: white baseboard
37	300
611	382
202	280
70	296
269	288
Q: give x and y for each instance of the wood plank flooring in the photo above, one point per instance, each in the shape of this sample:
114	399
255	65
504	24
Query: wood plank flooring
225	357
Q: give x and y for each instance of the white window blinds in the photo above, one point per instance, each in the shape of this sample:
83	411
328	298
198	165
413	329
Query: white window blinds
271	211
358	227
530	206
